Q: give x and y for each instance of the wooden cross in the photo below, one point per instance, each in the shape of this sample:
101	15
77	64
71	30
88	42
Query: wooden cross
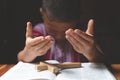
55	68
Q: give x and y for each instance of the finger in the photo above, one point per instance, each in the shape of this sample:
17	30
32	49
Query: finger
47	45
83	35
70	40
74	43
29	32
43	43
45	48
36	41
90	28
73	38
49	37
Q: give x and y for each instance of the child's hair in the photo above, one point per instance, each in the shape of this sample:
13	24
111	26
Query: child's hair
62	10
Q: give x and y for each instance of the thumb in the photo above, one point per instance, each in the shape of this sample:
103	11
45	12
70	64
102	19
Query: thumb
90	28
29	32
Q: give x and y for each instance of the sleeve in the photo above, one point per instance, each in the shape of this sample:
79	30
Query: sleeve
38	30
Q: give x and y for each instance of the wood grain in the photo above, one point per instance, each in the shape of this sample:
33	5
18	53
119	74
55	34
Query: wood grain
5	67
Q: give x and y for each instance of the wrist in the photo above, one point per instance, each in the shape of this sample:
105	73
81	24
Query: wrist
26	56
94	56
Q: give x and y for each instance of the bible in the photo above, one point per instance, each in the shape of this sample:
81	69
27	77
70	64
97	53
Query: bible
86	71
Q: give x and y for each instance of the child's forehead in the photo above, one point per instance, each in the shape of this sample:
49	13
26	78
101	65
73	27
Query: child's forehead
54	23
59	26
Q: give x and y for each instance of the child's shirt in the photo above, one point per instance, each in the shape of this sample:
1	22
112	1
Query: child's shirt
67	54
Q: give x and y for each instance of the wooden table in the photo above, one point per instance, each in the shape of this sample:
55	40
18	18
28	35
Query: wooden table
5	67
115	69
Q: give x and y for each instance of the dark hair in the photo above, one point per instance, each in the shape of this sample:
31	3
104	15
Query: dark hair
62	10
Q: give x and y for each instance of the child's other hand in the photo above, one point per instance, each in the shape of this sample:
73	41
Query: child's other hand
37	46
83	42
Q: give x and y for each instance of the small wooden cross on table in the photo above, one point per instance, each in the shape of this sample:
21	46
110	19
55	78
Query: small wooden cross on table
55	68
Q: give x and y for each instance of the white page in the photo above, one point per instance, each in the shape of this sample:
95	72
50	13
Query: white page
26	71
89	71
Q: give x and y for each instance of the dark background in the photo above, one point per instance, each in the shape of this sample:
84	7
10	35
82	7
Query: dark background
15	13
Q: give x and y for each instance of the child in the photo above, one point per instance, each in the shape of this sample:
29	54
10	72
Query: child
60	37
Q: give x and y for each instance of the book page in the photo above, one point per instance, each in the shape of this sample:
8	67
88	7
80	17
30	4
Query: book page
88	71
26	71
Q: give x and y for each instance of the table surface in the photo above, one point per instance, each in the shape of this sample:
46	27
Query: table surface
115	69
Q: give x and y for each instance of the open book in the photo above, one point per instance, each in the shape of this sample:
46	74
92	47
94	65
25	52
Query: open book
87	71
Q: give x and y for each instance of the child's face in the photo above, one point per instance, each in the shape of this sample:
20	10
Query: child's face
57	29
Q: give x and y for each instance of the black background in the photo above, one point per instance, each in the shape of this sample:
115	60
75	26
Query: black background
15	13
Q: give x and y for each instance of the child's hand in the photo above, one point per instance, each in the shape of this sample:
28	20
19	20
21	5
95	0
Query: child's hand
37	46
83	42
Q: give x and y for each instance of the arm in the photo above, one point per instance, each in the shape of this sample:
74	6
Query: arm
34	47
